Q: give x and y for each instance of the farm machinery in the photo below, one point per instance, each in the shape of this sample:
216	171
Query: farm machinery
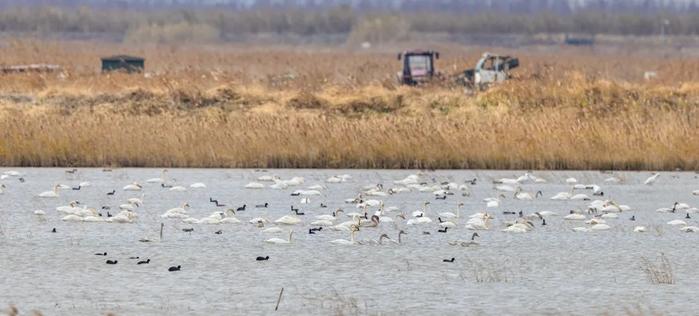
419	68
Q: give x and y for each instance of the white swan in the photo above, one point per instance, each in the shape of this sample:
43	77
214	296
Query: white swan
158	180
600	227
695	192
652	179
677	222
39	212
133	187
177	212
280	241
640	229
177	188
288	220
562	196
574	217
254	185
449	215
690	229
197	185
571	180
72	218
322	222
351	241
272	230
50	194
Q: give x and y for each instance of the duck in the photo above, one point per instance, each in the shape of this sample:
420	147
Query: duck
143	262
173	268
449	260
111	261
265	258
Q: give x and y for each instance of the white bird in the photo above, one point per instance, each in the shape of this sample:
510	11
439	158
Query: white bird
351	241
651	179
677	222
39	212
449	215
571	180
600	227
288	220
133	187
197	185
50	194
695	192
158	180
639	229
574	217
272	230
254	185
690	229
581	229
280	241
562	196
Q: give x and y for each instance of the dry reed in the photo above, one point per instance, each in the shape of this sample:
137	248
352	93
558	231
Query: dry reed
290	108
658	273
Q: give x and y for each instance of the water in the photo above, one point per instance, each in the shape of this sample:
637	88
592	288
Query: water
550	270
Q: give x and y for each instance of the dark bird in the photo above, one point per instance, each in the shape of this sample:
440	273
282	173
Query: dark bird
242	208
426	233
449	260
111	193
293	209
105	207
317	229
323	205
311	231
101	254
72	171
509	213
471	182
109	215
543	222
262	258
187	230
77	188
173	268
262	205
687	217
111	262
298	213
218	232
633	218
144	262
53	230
133	258
21	179
440	197
295	194
443	230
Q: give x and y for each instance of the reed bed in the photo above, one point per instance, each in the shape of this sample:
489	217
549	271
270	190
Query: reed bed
658	273
333	108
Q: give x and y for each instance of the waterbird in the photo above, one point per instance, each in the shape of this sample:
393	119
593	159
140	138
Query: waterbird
299	213
188	230
53	230
449	260
111	261
242	208
77	188
262	205
21	179
133	258
111	193
311	231
440	197
218	232
633	217
443	230
173	268
101	254
323	205
144	261
687	217
262	258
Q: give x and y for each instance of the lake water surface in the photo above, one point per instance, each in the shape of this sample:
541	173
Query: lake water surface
549	270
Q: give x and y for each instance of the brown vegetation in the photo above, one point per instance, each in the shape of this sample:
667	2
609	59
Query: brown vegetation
319	107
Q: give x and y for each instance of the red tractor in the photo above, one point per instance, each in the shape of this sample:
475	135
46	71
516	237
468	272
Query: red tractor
418	66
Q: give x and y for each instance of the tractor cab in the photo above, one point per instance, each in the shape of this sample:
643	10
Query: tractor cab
418	66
